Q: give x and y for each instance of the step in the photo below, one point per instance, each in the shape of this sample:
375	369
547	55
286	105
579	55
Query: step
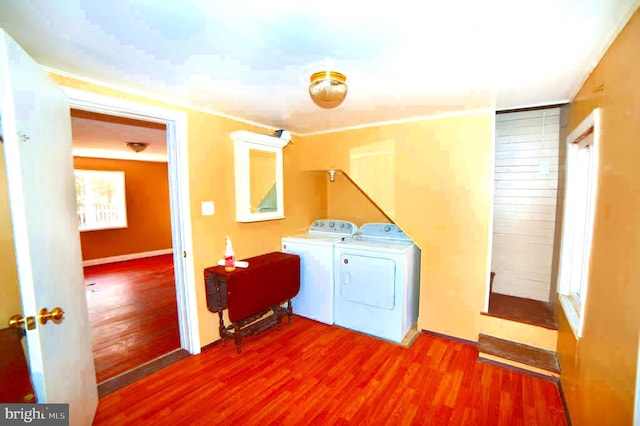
526	311
518	352
519	332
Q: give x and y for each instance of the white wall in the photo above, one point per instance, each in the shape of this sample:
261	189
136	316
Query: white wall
525	202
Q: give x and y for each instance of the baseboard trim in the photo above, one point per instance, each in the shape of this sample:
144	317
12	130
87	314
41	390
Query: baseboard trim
124	257
211	345
564	403
452	338
128	377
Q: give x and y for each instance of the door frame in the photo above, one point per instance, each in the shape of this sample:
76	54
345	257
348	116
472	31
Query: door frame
178	168
492	164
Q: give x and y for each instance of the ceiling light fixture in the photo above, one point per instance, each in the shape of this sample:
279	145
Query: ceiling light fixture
327	88
137	146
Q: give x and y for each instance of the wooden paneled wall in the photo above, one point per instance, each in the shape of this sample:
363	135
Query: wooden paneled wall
526	182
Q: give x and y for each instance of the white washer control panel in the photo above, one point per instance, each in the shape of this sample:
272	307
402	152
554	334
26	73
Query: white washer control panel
333	227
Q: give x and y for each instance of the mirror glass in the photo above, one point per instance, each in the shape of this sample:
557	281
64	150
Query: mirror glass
262	181
258	176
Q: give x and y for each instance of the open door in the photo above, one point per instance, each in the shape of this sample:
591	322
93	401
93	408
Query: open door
36	133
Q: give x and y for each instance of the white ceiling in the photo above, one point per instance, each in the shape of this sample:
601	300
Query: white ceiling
103	136
250	59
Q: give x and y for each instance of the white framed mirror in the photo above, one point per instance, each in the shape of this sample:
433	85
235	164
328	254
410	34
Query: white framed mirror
258	176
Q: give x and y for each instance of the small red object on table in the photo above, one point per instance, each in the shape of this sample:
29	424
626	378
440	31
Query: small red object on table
250	293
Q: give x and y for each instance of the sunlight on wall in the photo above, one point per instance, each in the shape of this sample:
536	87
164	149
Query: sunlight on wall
373	168
10	303
347	201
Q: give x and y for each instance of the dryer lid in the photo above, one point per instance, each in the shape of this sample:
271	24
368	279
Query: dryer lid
386	246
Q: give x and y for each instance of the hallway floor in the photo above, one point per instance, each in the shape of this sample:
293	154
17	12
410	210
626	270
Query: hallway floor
132	312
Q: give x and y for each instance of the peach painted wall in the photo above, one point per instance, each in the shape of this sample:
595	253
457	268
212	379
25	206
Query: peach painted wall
148	213
10	302
599	371
438	190
211	177
347	202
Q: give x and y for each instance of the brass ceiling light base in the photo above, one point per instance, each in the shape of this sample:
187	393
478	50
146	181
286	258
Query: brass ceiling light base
327	88
137	146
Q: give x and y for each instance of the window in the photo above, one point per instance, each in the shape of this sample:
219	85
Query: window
577	224
100	200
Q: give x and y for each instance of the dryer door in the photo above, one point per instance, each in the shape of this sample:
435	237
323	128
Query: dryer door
367	280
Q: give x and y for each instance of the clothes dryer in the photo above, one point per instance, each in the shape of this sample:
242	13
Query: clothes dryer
377	275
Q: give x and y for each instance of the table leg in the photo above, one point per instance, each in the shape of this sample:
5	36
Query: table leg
221	325
237	337
277	312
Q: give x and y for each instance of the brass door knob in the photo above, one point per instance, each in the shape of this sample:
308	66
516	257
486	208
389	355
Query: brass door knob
17	321
56	315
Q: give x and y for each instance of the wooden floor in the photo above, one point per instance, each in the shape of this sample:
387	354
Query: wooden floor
523	310
309	373
132	312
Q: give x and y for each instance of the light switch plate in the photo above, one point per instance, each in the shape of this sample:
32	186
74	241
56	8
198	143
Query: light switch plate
208	208
543	167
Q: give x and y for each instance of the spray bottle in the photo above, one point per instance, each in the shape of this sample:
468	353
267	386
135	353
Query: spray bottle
229	257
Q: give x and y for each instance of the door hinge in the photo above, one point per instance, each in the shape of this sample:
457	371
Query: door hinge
23	136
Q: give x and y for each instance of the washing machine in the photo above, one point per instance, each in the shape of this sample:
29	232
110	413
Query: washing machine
377	275
315	300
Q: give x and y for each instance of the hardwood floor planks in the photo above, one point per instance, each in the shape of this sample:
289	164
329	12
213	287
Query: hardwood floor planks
310	373
132	313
